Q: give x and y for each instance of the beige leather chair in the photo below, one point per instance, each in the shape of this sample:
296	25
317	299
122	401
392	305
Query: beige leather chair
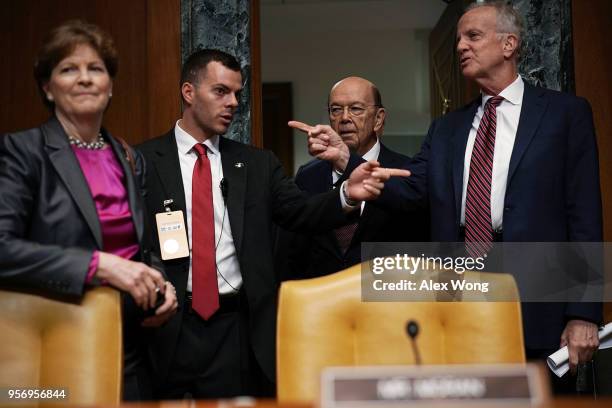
48	343
323	322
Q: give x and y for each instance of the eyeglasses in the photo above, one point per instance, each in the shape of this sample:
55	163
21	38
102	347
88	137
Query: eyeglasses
336	111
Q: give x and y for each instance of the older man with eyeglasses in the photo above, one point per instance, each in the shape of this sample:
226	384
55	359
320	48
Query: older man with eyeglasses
357	114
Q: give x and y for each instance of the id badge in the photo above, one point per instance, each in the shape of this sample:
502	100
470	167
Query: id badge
172	235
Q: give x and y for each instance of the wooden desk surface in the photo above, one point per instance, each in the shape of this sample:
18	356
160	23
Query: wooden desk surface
555	403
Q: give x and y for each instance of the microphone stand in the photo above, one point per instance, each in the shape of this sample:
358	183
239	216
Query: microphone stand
412	329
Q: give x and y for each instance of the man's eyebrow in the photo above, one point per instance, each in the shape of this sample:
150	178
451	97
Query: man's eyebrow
469	31
351	103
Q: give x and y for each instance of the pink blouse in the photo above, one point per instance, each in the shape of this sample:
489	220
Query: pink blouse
106	182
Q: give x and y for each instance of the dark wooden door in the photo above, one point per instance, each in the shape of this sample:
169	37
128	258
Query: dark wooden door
592	20
445	79
277	111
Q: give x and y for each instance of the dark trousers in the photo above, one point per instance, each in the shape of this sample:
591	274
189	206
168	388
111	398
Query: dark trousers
137	385
566	385
214	357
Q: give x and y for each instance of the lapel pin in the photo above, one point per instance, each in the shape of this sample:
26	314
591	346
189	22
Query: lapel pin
238	165
168	204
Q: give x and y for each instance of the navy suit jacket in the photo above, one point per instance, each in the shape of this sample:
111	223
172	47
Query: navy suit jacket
552	193
318	255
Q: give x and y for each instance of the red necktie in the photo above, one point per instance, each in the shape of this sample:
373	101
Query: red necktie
478	225
203	264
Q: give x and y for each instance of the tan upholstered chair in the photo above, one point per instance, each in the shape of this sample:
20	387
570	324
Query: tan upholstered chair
52	344
322	322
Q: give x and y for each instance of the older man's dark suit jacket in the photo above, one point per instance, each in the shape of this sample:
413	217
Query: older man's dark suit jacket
552	193
318	255
258	194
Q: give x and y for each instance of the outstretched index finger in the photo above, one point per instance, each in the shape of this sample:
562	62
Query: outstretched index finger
300	126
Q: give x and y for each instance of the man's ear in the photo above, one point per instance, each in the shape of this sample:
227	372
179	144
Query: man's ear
510	44
381	113
188	91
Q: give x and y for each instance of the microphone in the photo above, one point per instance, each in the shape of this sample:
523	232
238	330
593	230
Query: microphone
412	328
224	187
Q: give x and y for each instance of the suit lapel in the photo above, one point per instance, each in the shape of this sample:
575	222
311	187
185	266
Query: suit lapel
132	190
385	161
459	144
168	169
323	180
68	168
532	110
235	173
319	181
368	215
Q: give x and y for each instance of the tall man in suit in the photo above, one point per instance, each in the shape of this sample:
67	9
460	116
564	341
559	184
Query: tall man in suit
543	183
357	115
221	343
518	164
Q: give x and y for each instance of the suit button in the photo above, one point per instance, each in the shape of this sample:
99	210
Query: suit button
506	209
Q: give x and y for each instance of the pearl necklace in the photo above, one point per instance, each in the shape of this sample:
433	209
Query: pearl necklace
98	144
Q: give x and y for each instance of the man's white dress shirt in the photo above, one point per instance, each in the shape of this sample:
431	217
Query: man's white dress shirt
229	278
508	114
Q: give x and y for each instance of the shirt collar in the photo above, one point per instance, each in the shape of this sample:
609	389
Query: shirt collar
373	153
185	142
513	93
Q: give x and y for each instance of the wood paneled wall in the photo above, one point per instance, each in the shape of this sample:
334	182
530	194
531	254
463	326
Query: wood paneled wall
146	99
445	77
592	20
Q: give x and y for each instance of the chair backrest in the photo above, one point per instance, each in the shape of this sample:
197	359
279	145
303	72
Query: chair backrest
323	322
49	343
